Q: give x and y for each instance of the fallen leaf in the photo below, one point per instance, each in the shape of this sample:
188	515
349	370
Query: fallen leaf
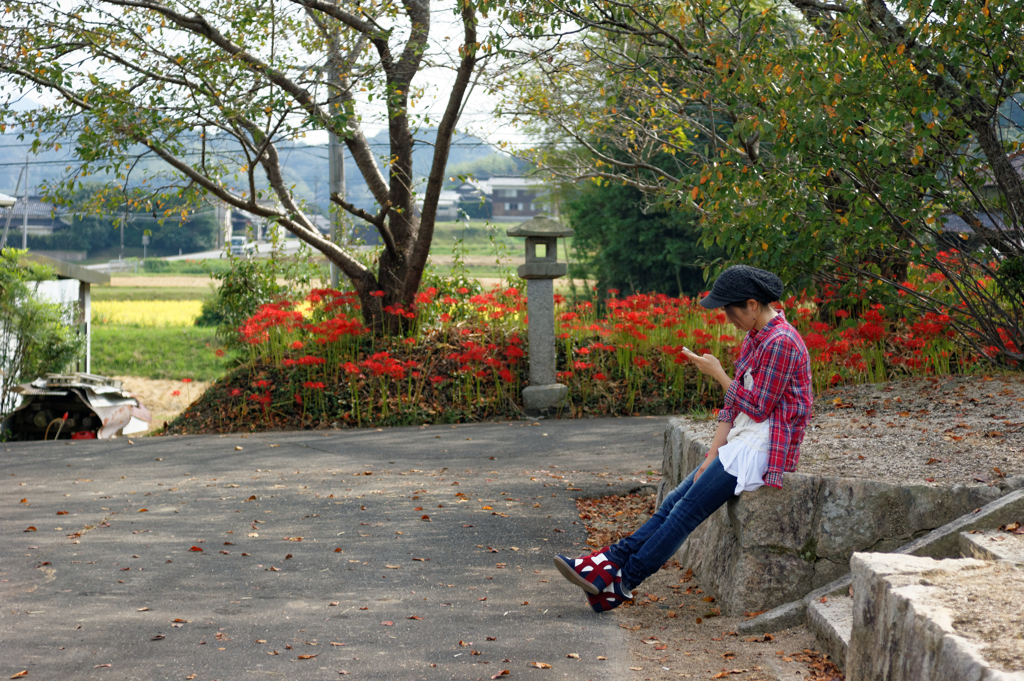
637	669
141	609
503	672
143	510
62	512
158	637
273	652
391	567
30	528
539	665
425	518
195	548
332	603
181	621
333	643
260	640
308	657
754	614
601	657
724	674
388	624
101	665
932	461
413	617
24	672
574	656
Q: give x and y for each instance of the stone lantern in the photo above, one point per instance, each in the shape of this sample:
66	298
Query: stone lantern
540	270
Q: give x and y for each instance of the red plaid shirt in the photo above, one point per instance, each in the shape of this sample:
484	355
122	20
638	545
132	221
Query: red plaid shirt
781	368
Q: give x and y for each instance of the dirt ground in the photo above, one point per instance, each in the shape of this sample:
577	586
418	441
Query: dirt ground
158	395
677	631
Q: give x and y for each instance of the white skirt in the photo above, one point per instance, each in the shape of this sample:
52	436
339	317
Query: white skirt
745	453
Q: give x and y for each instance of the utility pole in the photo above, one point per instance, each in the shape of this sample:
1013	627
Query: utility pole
10	212
24	217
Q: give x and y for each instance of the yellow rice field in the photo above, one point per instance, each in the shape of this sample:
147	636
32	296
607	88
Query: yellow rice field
146	312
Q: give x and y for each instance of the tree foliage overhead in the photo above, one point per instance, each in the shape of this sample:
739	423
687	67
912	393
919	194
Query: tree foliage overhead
214	87
835	138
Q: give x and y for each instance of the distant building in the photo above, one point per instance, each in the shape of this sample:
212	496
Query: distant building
515	199
42	218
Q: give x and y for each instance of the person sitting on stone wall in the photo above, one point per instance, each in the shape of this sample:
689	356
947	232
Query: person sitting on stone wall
761	426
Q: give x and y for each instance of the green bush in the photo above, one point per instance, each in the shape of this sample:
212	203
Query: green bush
247	284
37	337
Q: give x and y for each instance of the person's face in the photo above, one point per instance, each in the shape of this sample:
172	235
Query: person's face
743	316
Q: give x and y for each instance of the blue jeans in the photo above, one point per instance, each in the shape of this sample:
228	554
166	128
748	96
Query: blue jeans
687	506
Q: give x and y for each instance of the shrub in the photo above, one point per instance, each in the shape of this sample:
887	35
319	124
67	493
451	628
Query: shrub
37	337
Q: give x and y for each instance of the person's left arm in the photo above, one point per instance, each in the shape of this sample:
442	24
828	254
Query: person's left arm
779	361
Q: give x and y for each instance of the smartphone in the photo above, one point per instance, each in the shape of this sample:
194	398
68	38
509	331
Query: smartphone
686	349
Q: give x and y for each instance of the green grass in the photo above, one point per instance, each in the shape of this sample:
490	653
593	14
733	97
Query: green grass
162	353
477	238
149	293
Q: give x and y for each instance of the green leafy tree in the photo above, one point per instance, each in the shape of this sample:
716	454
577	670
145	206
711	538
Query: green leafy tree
621	243
213	89
37	337
837	138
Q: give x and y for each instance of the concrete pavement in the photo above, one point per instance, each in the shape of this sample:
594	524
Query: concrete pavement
315	557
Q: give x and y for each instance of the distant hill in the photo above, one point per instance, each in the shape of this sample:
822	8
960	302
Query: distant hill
305	166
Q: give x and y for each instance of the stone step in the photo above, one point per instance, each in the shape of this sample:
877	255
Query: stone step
903	617
831	620
943	542
993	545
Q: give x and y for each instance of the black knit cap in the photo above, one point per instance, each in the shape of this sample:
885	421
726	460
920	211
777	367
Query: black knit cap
743	282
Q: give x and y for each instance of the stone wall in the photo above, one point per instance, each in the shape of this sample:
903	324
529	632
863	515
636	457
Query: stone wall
773	546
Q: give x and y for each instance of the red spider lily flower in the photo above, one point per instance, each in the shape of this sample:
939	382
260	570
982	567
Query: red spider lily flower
438	380
445	317
600	377
219	352
377	294
505	375
515	340
297	345
313	385
350	368
186	380
842	314
463	290
262	384
640	362
563	374
236	392
176	393
583	351
410	341
298	398
681	333
481	374
511	292
559	299
726	338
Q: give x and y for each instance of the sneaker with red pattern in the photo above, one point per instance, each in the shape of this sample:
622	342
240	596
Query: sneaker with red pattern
592	573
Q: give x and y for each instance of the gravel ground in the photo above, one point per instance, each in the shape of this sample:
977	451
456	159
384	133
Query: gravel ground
944	431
